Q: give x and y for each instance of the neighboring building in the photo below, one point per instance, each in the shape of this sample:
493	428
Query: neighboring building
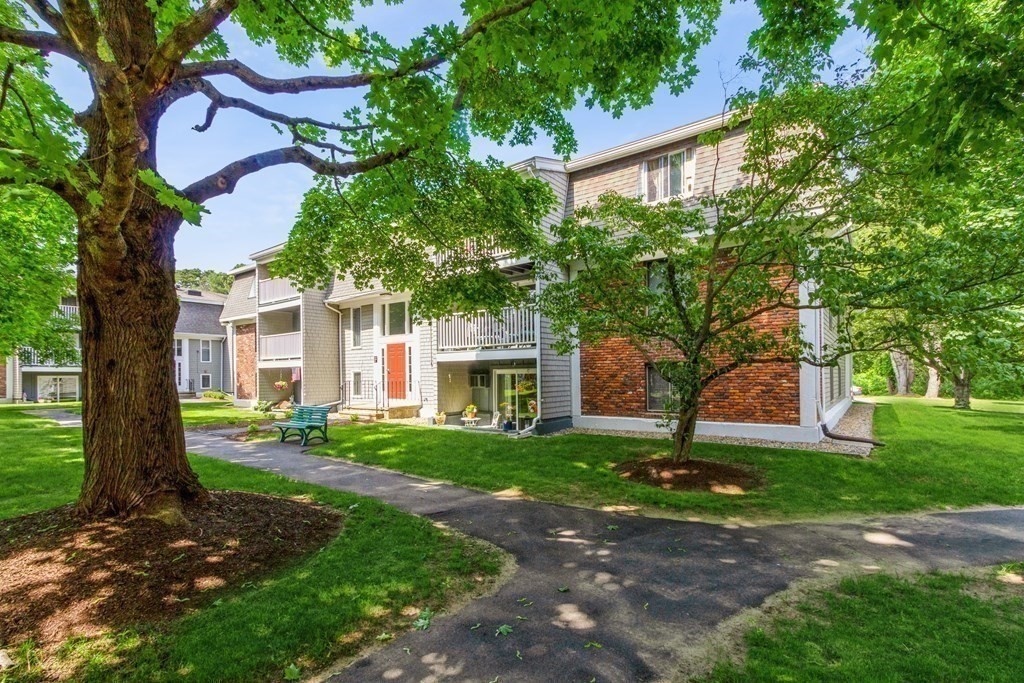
200	356
358	349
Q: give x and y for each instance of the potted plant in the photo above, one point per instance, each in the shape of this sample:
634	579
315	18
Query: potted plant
509	425
440	418
470	411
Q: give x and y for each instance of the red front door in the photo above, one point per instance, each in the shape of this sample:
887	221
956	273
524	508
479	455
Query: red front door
395	368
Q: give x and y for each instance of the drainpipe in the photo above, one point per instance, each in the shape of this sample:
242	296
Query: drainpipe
341	348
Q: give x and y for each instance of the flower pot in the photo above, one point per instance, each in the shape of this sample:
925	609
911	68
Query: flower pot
440	419
509	426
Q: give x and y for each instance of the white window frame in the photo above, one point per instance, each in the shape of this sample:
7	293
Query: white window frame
357	384
179	348
205	351
356	322
649	370
387	319
205	381
688	168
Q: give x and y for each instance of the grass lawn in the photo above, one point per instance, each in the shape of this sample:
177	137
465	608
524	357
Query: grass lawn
935	457
193	414
326	605
881	628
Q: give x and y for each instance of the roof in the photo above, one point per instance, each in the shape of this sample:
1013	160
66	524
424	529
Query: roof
240	305
667	137
199	296
267	254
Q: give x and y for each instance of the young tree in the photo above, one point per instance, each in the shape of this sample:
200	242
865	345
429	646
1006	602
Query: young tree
711	285
508	71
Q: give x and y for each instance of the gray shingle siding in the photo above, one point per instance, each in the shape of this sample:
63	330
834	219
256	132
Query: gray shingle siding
320	383
239	303
217	368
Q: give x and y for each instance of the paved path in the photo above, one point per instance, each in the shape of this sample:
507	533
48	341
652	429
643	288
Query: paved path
641	588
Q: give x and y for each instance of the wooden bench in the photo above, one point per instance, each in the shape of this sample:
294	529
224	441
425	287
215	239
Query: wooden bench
305	420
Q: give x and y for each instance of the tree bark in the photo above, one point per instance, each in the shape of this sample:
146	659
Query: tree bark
903	369
134	442
934	383
962	390
686	425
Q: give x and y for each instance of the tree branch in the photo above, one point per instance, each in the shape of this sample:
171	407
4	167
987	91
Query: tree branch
38	40
273	86
224	180
184	38
220	101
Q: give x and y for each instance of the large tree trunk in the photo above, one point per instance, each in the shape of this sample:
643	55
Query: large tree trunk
962	390
903	369
686	425
934	383
134	442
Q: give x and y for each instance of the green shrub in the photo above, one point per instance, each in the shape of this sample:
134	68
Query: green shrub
354	417
252	429
262	406
216	394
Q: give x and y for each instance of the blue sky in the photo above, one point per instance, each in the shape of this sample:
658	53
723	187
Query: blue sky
262	208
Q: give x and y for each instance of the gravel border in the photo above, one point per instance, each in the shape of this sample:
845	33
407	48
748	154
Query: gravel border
858	421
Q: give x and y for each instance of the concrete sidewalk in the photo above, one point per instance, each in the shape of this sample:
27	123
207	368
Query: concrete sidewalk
610	597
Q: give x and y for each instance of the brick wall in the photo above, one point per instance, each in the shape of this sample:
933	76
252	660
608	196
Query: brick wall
245	362
3	380
613	382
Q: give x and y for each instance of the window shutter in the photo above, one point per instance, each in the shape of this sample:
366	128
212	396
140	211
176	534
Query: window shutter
640	176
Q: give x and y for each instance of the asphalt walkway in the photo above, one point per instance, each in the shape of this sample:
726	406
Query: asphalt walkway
601	596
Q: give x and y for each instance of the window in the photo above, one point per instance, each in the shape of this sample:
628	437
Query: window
357	384
659	391
357	327
178	348
657	276
205	381
205	351
395	318
668	175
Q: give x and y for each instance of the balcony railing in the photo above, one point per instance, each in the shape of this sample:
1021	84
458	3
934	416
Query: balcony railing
30	357
472	247
277	289
68	311
514	328
286	346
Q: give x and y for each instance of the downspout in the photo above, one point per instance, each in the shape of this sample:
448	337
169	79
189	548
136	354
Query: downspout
820	407
341	347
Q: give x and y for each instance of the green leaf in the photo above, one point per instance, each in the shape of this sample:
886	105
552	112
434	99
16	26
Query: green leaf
292	673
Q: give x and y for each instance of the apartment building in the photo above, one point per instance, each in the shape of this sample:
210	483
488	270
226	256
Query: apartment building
200	357
358	349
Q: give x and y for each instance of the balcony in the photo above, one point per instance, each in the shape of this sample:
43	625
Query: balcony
278	347
471	248
67	311
514	328
29	357
276	290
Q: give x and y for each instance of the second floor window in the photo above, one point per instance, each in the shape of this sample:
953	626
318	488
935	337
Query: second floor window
668	175
178	348
357	327
205	351
396	318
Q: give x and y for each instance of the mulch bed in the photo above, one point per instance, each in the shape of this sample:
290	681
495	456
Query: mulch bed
61	577
692	475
